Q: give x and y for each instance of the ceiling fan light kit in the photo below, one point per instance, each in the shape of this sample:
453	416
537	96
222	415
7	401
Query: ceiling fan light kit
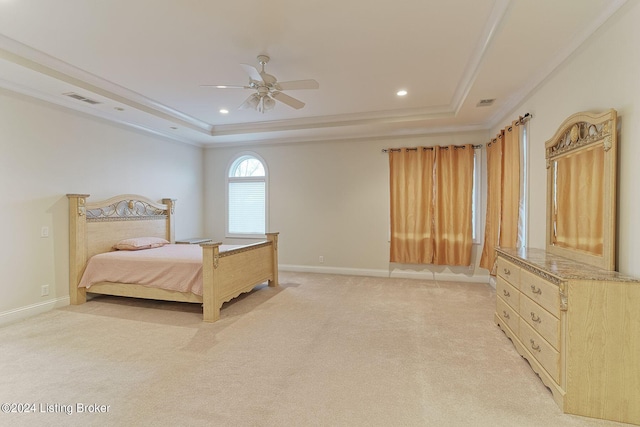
267	88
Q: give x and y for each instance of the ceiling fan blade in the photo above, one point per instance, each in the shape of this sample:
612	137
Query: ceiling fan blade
298	84
254	74
227	86
286	99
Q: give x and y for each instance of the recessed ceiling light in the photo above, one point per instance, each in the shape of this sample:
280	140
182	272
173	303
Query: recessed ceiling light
224	111
401	92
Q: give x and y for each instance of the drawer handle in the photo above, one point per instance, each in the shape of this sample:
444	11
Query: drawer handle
536	290
535	318
507	271
506	293
505	314
535	346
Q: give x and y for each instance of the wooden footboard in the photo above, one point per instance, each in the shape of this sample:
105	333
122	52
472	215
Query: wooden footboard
231	273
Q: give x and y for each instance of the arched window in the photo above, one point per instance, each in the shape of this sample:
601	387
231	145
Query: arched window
247	196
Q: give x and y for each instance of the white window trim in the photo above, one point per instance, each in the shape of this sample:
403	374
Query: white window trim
229	179
523	224
477	180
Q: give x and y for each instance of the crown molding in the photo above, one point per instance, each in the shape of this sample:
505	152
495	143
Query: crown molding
551	67
342	120
80	109
473	66
25	56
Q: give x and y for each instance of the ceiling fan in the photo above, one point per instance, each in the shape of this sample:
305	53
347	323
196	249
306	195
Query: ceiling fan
268	89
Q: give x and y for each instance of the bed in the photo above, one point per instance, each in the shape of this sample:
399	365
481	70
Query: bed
227	272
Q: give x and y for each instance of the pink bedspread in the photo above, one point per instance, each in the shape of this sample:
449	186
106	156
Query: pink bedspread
172	267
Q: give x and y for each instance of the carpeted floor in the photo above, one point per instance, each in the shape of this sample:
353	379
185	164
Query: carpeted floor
320	350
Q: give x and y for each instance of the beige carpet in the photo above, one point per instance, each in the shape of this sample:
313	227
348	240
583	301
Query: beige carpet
320	350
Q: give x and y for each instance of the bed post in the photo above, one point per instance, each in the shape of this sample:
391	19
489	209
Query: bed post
77	246
210	300
273	238
171	208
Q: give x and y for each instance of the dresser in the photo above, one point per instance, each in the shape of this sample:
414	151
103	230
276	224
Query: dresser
579	328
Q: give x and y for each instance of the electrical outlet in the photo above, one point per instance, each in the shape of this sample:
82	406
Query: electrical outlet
44	231
321	259
44	291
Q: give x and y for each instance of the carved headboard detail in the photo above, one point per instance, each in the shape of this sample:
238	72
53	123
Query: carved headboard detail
128	209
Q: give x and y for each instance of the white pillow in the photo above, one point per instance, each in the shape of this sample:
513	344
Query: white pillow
139	243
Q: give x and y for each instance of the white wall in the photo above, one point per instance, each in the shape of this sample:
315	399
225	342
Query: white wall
604	73
47	152
330	199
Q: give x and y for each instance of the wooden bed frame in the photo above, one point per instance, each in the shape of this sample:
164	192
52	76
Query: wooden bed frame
95	227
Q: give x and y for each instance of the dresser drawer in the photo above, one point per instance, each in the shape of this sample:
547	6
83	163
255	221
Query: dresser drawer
508	293
542	292
507	315
544	353
541	320
508	271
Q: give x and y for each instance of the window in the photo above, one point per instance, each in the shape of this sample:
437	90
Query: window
523	225
431	191
247	197
475	203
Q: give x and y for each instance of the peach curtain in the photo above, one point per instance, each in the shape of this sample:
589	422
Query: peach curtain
494	203
453	199
411	188
510	186
503	194
581	199
431	194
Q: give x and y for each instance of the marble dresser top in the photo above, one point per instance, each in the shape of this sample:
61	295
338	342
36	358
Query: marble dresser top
561	267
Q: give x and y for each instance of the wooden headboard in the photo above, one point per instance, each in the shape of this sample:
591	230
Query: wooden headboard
96	226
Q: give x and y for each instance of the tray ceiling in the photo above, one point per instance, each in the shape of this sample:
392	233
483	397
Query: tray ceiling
142	63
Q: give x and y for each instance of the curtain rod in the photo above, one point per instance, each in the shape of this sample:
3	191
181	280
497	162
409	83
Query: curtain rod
524	118
386	150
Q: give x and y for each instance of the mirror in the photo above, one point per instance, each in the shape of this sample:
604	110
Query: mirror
581	189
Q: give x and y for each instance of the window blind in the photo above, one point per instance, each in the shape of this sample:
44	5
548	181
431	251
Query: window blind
247	207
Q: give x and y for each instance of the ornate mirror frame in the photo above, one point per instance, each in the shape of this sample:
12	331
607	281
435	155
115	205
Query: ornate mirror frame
594	137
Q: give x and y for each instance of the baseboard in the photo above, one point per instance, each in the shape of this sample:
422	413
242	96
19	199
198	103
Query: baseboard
11	316
333	270
492	281
400	274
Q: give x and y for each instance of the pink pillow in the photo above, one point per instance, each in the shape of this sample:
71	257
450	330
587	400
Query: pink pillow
139	243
